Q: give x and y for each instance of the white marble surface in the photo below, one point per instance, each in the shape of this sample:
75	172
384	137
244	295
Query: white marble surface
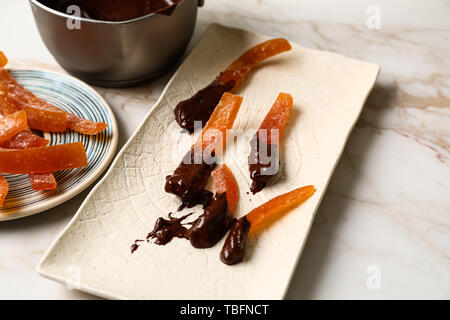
382	230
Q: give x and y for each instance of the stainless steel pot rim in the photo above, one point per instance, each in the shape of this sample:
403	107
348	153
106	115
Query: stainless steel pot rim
68	16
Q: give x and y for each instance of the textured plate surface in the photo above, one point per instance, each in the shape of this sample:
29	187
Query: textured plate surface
329	91
78	98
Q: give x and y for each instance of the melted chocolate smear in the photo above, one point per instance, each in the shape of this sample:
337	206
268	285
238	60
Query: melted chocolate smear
165	230
114	10
189	180
201	105
204	198
261	170
212	225
233	250
135	245
204	232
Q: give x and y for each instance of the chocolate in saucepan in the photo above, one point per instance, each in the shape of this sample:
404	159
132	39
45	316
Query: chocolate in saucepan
113	10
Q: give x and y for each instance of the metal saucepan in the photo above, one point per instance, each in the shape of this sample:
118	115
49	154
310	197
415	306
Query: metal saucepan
114	54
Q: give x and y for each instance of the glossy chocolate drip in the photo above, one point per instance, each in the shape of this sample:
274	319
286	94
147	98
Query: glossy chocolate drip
203	198
135	245
212	225
113	10
165	230
233	250
260	165
204	232
201	105
189	180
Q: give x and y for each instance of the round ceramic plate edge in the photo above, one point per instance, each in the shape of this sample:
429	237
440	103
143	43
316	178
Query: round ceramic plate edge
56	200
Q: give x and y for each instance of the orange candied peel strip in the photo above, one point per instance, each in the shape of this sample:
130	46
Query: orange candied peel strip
84	126
268	138
12	125
7	106
3	60
41	114
24	140
272	209
238	70
201	105
45	119
225	182
4	187
43	159
214	133
49	119
277	117
233	250
43	181
190	177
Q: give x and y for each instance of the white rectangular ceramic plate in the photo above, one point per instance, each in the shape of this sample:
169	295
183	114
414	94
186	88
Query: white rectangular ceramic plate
329	91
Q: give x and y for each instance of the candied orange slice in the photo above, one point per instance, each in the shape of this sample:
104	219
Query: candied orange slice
43	159
225	182
238	70
4	187
272	209
43	181
12	124
24	140
214	133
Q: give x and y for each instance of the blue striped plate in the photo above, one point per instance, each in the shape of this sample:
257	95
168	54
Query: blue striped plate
78	98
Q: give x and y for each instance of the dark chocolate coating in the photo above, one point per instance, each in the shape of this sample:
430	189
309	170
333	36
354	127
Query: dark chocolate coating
201	105
260	166
233	250
212	225
189	180
206	230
